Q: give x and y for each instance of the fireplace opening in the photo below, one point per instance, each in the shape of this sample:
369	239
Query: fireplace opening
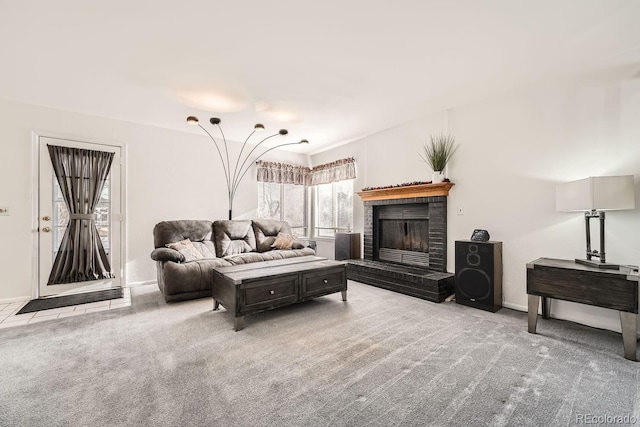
402	234
407	235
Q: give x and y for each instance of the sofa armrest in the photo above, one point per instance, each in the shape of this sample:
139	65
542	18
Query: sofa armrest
166	254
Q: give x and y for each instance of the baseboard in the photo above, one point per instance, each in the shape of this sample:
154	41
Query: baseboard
144	282
517	307
12	300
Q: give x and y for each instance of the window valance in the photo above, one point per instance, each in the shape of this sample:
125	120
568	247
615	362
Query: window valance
283	173
335	171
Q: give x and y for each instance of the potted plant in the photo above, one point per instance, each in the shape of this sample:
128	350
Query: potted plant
438	153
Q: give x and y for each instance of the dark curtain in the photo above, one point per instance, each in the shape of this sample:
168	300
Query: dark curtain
81	175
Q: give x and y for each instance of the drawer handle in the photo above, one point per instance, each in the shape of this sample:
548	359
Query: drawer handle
325	281
272	292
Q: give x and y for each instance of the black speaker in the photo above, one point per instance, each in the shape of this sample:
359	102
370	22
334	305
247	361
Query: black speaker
479	274
347	246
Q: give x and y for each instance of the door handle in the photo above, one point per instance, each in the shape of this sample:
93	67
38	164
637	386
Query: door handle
46	218
46	229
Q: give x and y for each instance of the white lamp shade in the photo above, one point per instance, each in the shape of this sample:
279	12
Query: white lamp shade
601	193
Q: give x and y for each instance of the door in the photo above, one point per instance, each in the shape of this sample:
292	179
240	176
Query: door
54	217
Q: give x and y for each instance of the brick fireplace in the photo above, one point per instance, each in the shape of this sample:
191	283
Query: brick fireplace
405	241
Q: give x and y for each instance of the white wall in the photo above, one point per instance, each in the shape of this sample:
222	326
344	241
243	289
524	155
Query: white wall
170	175
518	146
514	148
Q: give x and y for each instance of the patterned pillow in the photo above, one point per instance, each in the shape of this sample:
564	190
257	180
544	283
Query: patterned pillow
186	248
283	241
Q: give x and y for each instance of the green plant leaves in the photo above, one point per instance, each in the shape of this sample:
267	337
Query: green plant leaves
438	153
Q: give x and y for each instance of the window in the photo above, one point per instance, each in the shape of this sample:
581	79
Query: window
332	185
284	202
61	216
333	208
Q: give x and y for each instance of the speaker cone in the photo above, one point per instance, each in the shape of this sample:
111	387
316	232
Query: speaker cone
474	284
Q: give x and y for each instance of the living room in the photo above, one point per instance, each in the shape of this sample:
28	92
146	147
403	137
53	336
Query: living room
517	141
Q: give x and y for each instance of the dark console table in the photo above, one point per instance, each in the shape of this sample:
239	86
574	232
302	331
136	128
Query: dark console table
570	281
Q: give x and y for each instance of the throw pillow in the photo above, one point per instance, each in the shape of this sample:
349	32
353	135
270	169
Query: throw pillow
283	241
186	248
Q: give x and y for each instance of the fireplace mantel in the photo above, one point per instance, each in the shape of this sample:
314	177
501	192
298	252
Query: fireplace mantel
408	191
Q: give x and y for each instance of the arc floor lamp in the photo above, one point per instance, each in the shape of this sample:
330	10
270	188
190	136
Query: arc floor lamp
242	163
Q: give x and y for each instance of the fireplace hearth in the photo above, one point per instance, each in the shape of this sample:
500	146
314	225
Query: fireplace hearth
405	245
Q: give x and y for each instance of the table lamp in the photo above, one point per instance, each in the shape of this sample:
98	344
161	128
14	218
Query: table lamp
594	195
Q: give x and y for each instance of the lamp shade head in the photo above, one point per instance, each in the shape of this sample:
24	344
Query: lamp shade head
214	121
599	193
192	120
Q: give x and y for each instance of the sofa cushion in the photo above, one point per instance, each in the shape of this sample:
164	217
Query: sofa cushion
297	244
199	232
248	258
233	237
266	231
206	248
186	248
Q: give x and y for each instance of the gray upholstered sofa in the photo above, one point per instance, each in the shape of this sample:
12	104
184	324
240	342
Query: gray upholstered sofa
219	243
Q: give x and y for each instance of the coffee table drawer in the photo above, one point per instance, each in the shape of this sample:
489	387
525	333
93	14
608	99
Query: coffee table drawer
323	282
267	293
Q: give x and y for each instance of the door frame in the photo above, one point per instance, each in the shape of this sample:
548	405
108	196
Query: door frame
35	199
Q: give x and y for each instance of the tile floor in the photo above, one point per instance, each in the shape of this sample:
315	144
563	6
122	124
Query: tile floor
9	318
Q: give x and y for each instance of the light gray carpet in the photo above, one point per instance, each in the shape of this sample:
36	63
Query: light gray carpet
381	359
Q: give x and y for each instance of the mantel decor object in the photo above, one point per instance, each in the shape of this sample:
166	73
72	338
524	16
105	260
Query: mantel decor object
594	196
406	191
242	163
438	153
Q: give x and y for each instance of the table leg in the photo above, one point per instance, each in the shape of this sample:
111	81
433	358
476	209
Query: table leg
629	324
344	295
546	308
216	305
238	323
533	302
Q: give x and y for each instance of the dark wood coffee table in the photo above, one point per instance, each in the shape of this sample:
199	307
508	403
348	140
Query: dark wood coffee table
252	288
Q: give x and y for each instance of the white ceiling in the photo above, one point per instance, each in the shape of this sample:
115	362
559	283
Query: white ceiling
329	71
